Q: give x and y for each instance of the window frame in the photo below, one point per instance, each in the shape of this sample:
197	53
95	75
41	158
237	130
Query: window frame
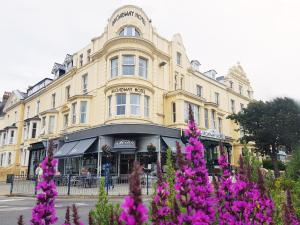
143	68
217	98
199	90
135	108
174	111
84	83
66	120
121	105
146	106
51	127
83	114
53	100
124	32
74	112
178	58
114	70
206	118
128	65
34	130
109	100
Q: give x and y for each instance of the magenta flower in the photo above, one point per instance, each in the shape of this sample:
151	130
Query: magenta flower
134	212
44	212
194	192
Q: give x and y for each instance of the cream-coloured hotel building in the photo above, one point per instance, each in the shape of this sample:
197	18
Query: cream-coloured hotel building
126	90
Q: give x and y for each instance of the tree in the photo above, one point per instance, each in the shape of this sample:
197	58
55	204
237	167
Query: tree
271	125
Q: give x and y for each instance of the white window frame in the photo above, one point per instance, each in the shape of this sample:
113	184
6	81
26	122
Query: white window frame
74	112
217	98
37	107
213	119
178	58
125	32
84	80
53	100
196	112
129	65
11	137
67	92
109	100
83	111
143	67
120	105
199	90
206	118
114	67
51	126
135	107
66	120
146	106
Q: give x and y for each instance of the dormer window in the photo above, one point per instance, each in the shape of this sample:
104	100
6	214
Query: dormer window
129	31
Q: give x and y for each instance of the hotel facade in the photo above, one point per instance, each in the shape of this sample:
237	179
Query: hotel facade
126	93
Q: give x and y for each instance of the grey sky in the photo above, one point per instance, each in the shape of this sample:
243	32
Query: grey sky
264	35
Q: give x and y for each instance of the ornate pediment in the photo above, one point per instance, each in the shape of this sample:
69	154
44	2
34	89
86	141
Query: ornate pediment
15	97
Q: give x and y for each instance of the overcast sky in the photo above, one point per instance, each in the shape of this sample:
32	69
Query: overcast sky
263	35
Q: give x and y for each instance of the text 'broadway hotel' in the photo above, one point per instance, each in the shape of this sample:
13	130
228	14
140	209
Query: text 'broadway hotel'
124	93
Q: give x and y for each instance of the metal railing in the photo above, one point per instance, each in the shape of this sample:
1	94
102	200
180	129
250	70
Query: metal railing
82	185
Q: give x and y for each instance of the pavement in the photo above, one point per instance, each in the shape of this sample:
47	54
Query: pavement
4	189
12	207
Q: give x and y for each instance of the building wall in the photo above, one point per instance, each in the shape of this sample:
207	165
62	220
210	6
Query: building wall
167	82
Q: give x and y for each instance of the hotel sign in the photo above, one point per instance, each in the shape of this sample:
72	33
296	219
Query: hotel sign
124	143
212	133
129	13
128	89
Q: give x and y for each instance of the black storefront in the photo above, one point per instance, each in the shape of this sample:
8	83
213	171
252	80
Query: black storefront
37	152
121	144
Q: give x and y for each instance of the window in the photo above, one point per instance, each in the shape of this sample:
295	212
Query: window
231	84
213	119
66	120
67	92
206	119
88	55
83	111
242	106
51	125
178	58
174	111
135	104
74	106
84	83
81	60
249	94
53	100
37	107
175	82
109	106
232	106
240	89
4	139
2	159
33	131
146	106
217	98
114	67
181	82
9	158
220	125
129	31
199	90
128	65
195	110
27	112
44	121
16	116
12	137
143	67
121	104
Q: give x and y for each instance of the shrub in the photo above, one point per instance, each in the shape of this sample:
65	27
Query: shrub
267	164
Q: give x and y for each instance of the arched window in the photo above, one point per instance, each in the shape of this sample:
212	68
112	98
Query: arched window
129	31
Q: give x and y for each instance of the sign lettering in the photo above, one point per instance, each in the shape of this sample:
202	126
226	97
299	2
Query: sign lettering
129	89
129	13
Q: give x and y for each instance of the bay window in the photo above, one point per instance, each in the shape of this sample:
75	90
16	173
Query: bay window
83	111
195	110
74	106
146	106
12	137
109	106
143	67
114	67
121	104
135	104
33	131
128	65
51	124
206	120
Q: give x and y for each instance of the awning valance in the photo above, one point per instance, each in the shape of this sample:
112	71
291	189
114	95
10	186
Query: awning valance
37	146
81	147
171	143
65	149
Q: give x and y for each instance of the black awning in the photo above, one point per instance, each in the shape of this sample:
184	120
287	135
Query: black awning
37	146
65	149
81	147
171	143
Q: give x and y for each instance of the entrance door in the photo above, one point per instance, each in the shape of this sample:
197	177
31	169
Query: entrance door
126	163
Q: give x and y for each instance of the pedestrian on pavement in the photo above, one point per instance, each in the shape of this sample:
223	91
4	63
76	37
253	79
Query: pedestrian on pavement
39	172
